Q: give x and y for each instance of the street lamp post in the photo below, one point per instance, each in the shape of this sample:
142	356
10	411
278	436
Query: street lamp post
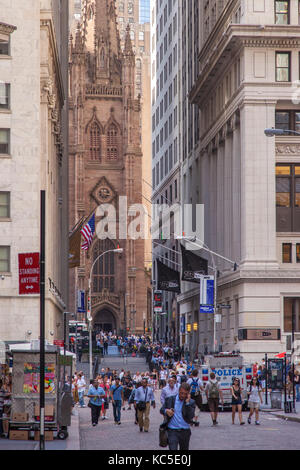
89	316
271	132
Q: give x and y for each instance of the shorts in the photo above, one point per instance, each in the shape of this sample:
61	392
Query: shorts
254	405
236	402
213	404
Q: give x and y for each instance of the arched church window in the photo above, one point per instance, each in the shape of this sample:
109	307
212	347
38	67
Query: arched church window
95	142
102	58
112	142
104	269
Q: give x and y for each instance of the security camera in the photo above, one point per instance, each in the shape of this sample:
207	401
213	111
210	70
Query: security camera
2	277
52	333
29	332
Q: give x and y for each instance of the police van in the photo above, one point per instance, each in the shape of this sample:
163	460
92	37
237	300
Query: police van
226	367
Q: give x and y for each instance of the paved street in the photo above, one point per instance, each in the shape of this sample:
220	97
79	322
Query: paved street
273	433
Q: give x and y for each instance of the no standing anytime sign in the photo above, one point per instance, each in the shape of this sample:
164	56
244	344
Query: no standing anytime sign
29	273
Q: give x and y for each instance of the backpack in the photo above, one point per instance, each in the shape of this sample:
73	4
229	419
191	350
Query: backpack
183	379
213	390
194	387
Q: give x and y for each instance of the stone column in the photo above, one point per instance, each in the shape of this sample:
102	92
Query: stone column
258	209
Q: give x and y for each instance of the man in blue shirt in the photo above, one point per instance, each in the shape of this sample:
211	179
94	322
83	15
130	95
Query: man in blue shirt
143	398
179	413
95	393
117	396
170	390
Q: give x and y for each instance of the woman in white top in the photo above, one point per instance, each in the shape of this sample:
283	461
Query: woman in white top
254	393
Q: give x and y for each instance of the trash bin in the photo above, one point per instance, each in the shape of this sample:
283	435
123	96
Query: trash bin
276	399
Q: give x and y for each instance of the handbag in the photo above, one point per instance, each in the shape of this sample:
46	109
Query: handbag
141	405
89	404
163	436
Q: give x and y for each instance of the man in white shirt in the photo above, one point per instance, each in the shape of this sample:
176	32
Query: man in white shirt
81	384
137	378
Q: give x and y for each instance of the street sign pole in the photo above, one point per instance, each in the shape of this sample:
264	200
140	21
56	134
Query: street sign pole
42	320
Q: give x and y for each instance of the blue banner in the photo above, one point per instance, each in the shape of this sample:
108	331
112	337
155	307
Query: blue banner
81	302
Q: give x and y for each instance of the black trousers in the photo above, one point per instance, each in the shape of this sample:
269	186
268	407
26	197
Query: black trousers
95	413
179	438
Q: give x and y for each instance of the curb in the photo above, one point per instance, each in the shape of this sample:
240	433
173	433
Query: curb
285	417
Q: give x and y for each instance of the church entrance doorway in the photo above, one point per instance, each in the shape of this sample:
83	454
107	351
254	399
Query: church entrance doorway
105	321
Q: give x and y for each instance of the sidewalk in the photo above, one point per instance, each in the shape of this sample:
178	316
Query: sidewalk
279	413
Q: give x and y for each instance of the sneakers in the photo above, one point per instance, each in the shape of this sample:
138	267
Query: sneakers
196	424
141	429
242	423
257	422
214	422
94	424
249	420
119	422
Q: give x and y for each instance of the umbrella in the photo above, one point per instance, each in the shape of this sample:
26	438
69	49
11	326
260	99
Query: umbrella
281	355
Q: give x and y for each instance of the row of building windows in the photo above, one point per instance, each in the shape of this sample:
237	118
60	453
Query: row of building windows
165	164
164	104
130	8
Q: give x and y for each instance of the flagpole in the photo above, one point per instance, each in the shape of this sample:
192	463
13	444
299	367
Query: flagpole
81	221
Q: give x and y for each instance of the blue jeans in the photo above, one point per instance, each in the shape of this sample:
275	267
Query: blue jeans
81	399
117	410
297	392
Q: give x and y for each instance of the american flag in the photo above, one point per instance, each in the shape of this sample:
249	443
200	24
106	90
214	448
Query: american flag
88	232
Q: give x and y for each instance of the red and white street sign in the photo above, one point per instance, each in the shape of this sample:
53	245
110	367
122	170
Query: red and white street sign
29	273
59	342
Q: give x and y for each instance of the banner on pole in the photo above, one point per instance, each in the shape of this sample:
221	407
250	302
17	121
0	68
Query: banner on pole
207	294
80	301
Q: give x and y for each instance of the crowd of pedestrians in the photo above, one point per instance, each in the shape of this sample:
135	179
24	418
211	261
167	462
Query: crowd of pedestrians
181	390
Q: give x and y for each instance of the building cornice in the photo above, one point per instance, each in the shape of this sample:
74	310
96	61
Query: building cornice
232	39
7	28
48	23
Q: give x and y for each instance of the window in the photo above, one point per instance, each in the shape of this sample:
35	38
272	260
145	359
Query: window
283	67
4	205
121	7
141	35
170	156
161	168
286	252
287	120
104	270
4	95
95	147
4	47
153	177
4	259
291	309
282	12
175	189
130	8
298	252
112	142
4	141
288	197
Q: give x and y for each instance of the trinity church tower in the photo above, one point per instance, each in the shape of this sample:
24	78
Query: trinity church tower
105	166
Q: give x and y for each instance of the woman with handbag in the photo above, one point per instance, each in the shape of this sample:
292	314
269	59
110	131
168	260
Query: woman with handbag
105	405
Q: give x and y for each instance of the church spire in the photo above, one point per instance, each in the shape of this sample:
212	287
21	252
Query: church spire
128	49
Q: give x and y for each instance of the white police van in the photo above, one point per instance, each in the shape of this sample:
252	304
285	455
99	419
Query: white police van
226	367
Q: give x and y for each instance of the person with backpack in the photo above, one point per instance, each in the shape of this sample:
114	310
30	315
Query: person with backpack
236	402
213	394
117	397
196	385
254	397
